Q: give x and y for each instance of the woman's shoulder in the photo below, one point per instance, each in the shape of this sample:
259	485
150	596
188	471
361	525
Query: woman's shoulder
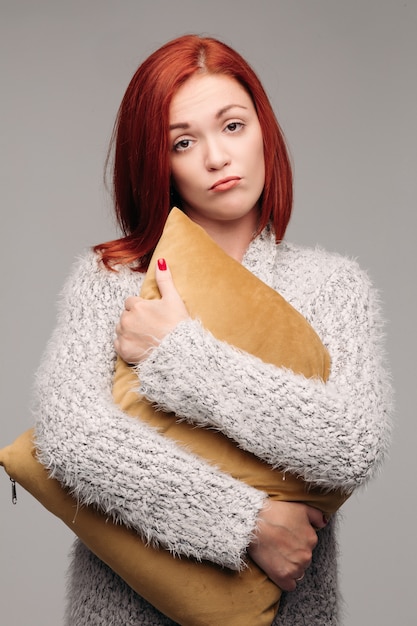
303	272
318	261
89	262
88	275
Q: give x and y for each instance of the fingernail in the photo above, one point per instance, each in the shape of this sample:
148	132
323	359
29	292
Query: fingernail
325	519
162	264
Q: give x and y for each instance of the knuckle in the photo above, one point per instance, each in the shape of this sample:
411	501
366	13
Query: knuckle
312	538
122	326
305	558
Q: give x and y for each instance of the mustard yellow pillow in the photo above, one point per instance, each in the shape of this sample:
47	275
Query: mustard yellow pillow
236	307
177	587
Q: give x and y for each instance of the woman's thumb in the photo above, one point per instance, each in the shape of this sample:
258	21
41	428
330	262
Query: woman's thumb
164	280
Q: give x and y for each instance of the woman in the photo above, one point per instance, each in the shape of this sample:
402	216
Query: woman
195	129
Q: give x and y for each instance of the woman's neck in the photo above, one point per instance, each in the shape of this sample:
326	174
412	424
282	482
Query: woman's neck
234	244
232	236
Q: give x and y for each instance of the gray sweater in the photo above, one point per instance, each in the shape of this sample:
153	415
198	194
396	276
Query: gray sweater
334	434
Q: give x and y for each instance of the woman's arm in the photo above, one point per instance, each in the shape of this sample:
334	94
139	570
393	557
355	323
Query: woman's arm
332	434
112	461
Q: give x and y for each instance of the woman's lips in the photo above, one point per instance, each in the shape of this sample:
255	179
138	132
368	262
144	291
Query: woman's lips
225	184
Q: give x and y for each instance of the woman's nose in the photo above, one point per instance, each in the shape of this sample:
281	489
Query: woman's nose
216	155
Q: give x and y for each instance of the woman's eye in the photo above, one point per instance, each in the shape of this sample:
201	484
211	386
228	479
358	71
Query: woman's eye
234	127
182	145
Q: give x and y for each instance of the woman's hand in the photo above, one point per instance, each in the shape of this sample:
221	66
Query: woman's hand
285	538
144	323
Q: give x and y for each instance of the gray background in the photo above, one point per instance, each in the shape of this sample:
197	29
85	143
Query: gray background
342	78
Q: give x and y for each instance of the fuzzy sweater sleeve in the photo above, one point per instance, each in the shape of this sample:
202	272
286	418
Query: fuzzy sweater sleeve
332	434
122	466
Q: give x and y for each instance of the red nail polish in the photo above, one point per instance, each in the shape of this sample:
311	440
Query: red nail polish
325	519
162	265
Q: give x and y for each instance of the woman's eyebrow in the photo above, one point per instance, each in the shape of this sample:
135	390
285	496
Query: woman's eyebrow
222	111
229	106
183	125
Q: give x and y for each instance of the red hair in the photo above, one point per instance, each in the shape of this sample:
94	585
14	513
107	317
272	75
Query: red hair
141	148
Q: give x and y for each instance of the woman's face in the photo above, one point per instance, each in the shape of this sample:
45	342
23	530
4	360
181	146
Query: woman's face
217	156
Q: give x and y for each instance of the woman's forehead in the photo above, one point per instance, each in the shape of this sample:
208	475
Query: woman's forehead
207	94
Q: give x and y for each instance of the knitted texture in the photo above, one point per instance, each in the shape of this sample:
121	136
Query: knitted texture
270	410
335	435
136	476
112	603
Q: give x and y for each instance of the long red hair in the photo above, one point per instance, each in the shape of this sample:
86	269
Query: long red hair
140	146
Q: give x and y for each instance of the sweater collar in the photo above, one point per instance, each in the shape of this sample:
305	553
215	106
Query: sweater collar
259	257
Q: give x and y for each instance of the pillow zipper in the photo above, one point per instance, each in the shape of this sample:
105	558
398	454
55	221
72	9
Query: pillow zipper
14	492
